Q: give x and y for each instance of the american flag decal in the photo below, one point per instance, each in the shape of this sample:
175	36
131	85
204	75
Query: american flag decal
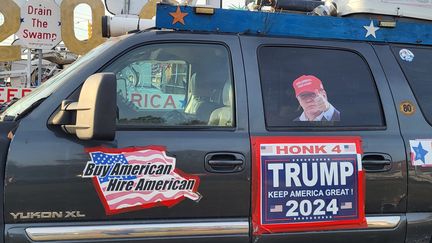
276	208
349	148
138	178
266	149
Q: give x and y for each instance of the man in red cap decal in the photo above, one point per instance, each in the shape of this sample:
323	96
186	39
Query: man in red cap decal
312	97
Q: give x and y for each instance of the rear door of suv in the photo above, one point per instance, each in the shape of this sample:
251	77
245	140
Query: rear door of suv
355	85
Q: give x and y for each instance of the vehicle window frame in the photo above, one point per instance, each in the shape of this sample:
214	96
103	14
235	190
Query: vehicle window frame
395	53
311	127
136	127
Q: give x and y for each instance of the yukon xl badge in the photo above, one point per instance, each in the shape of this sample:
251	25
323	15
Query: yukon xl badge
138	178
47	215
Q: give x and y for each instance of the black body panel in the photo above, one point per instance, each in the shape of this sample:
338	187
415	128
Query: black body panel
5	129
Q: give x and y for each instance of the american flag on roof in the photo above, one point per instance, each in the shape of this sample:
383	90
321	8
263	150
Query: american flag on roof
131	180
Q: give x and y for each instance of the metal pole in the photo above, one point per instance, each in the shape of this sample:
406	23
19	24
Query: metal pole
29	66
39	68
126	6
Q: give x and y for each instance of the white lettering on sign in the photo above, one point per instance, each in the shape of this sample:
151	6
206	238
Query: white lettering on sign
330	174
7	94
306	193
275	168
40	27
278	194
305	207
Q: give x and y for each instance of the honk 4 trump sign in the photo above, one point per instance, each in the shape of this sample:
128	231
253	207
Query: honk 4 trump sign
307	183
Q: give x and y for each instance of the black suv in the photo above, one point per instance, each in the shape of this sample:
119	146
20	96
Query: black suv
189	104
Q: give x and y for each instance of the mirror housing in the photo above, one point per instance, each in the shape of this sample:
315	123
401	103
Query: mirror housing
95	112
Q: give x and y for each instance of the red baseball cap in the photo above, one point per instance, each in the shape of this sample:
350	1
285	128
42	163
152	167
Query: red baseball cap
307	83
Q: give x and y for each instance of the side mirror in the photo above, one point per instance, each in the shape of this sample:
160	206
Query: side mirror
94	115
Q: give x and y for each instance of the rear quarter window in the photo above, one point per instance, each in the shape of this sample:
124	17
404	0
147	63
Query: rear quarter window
314	87
416	64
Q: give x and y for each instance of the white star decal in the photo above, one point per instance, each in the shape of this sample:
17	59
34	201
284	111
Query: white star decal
371	29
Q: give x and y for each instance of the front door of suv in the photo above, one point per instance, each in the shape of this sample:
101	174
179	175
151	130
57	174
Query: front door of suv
351	98
178	169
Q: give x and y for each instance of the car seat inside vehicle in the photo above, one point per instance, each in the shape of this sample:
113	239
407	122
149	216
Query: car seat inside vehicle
223	115
200	103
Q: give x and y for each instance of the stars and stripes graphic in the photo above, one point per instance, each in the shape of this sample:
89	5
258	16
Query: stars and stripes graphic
266	149
349	148
100	158
276	208
136	179
346	205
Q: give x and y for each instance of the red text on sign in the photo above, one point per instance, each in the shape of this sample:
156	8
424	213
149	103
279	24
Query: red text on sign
38	23
7	94
39	11
153	101
297	149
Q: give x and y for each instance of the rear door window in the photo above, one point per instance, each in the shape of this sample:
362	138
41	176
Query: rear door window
312	87
416	63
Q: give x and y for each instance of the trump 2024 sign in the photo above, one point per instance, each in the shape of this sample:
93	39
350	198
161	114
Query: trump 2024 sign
307	183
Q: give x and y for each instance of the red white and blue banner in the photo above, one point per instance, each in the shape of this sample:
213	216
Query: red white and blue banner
138	178
307	183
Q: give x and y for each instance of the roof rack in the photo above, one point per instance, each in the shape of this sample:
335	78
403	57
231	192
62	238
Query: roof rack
290	25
